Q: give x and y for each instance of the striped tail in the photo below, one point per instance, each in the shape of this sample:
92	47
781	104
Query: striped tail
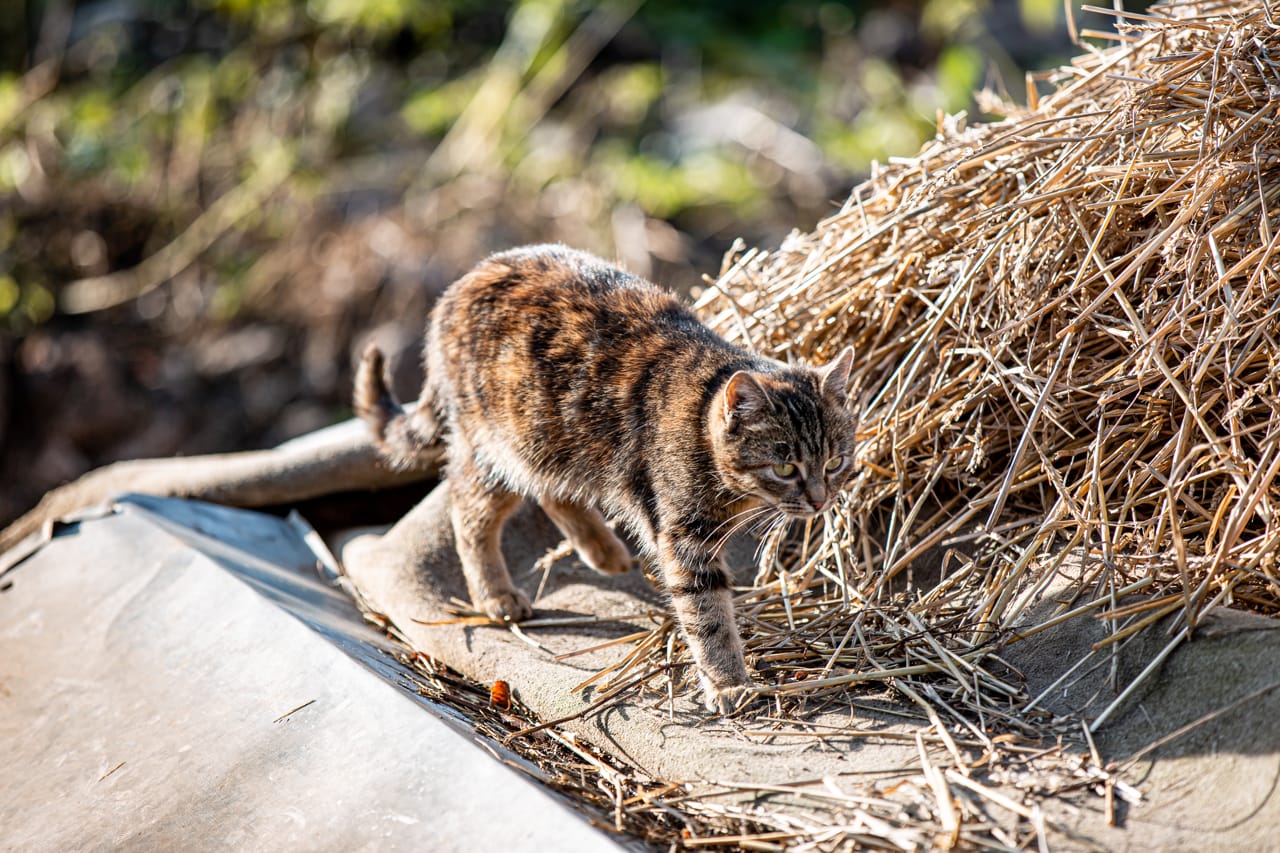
404	437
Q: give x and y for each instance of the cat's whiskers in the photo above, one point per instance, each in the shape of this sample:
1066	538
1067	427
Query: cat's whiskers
735	521
740	520
764	531
777	523
778	517
731	519
782	520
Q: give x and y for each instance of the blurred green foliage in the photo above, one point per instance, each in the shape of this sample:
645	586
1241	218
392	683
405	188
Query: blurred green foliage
206	206
122	120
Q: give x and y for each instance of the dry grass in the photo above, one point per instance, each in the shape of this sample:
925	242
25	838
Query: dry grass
1067	332
1066	326
925	806
1068	335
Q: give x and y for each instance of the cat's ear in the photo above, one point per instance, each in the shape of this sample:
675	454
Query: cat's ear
835	375
744	396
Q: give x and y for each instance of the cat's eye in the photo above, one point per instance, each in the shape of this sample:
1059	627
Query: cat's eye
783	469
835	463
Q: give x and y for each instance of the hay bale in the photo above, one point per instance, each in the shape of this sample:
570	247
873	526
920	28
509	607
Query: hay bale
1066	324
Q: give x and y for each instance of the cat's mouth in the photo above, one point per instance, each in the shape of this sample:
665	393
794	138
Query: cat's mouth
803	511
799	510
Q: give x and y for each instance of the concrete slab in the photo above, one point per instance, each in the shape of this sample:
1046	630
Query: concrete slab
1200	743
176	676
149	698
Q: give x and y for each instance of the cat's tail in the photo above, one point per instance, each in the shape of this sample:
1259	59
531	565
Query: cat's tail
406	437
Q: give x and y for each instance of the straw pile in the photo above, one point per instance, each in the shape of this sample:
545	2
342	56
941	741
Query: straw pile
1066	326
1068	335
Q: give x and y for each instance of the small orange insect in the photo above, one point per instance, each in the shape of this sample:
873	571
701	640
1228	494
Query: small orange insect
500	695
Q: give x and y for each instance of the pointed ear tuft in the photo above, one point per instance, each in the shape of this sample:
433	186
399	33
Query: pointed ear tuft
835	375
744	396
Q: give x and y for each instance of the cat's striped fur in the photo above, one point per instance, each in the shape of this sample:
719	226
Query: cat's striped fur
554	375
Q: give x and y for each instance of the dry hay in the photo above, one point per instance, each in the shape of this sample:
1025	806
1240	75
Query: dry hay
1066	326
1066	330
905	809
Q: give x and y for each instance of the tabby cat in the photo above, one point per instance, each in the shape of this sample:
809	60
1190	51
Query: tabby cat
556	376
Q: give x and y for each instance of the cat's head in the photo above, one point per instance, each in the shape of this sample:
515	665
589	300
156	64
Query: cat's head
786	437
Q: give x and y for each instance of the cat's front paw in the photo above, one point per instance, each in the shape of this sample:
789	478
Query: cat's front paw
606	554
510	606
618	562
727	700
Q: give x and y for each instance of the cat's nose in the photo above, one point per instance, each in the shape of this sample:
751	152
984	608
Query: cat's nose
818	505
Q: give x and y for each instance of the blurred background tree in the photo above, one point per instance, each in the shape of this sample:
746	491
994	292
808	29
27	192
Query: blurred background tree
207	206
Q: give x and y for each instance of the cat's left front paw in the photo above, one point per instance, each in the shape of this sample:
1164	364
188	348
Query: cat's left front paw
510	606
727	700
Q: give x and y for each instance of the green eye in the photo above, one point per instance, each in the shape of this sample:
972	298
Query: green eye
835	463
784	469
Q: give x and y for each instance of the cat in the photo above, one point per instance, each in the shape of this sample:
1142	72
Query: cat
553	375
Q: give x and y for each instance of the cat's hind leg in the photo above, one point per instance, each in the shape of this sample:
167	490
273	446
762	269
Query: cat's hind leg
597	545
478	509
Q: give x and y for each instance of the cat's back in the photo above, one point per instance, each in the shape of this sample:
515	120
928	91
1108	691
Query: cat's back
548	284
562	361
552	302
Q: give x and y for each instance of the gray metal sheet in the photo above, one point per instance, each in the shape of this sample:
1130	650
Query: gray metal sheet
148	664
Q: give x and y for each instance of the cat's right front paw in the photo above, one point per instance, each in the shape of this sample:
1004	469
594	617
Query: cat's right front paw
510	606
617	562
606	554
727	700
